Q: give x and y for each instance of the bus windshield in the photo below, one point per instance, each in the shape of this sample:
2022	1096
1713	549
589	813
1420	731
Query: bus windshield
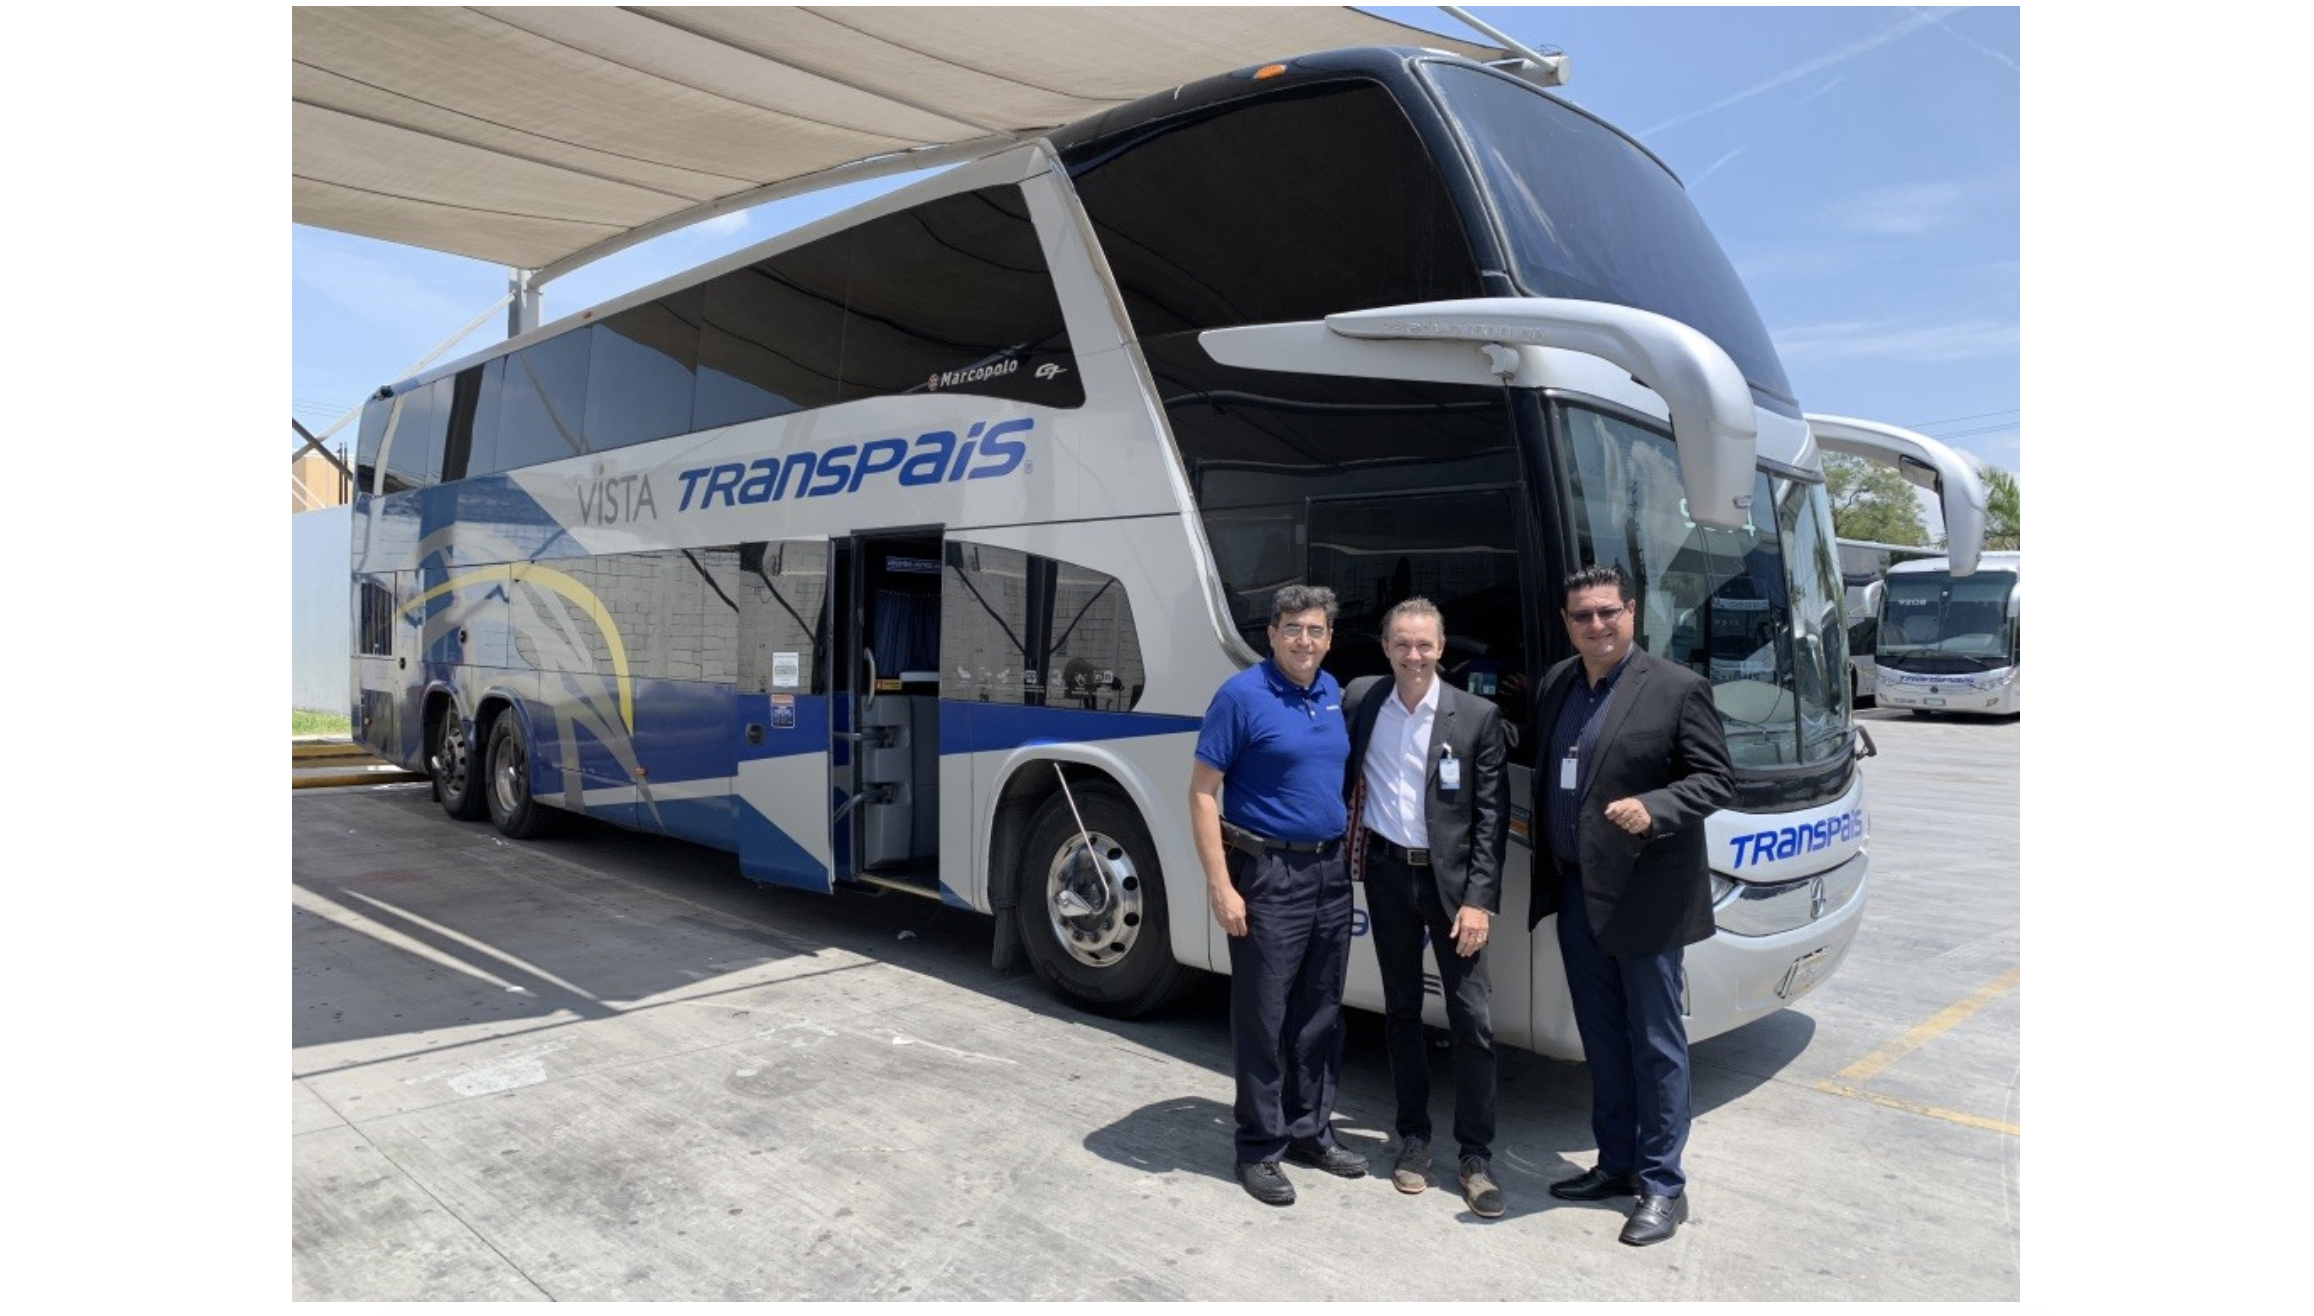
1942	615
1756	610
1587	214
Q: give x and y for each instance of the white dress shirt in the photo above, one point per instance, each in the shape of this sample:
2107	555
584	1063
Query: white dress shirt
1397	766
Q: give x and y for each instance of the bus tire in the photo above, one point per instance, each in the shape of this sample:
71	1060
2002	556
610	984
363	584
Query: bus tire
507	782
456	769
1096	927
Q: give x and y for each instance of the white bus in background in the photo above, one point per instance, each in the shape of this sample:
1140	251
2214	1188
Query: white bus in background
905	551
1864	567
1950	643
1864	564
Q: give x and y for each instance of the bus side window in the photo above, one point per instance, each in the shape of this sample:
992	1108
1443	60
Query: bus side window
542	402
770	337
640	372
954	296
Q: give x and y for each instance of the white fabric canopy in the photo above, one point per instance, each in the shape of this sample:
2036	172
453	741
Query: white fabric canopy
541	138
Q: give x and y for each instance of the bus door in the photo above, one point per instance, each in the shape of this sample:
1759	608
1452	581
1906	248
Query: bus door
884	741
783	711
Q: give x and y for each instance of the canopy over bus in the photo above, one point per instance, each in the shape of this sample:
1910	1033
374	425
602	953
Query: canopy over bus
543	138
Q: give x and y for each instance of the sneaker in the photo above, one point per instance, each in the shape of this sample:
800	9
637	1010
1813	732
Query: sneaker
1333	1158
1479	1191
1267	1181
1412	1172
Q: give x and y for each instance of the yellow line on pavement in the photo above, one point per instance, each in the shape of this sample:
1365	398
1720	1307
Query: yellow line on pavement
1912	1041
1895	1103
1918	1037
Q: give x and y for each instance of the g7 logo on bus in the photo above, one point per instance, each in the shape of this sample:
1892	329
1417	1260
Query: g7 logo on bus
986	452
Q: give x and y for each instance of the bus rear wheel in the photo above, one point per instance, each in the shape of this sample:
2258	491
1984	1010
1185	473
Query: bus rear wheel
512	807
457	778
1094	917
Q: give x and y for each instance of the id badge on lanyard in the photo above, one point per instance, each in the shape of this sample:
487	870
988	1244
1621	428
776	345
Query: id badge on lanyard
1567	770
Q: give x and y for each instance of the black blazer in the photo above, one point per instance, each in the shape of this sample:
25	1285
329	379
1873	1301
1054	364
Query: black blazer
1662	743
1466	827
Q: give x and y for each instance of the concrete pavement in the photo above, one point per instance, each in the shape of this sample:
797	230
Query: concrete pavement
606	1067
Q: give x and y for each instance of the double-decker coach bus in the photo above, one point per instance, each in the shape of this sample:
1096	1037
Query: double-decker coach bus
907	549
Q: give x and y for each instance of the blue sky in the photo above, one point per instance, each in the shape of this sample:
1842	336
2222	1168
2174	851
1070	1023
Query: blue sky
1860	166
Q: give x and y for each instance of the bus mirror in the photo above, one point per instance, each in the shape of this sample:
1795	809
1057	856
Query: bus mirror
1925	462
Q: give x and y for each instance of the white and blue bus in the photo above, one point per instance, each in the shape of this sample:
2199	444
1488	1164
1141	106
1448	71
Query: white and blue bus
1951	643
906	550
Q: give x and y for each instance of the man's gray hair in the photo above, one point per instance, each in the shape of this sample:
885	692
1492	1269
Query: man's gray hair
1417	606
1301	598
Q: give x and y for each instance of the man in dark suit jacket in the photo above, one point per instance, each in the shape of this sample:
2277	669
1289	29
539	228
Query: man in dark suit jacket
1429	806
1630	759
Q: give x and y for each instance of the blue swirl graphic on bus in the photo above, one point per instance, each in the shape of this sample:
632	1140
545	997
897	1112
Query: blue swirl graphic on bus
1785	842
985	452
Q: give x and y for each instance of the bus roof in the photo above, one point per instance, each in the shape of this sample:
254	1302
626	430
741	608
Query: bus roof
2006	560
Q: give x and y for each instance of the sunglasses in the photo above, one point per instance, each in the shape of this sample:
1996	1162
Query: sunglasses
1589	615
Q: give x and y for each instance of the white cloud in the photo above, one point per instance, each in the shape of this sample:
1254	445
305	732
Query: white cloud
721	225
1960	340
1904	209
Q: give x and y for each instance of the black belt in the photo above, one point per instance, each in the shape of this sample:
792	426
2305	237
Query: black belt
1254	843
1410	858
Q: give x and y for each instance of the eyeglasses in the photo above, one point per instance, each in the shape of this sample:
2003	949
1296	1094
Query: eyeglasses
1589	615
1295	631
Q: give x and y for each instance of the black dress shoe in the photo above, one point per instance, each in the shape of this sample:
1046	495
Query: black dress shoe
1333	1158
1595	1185
1657	1218
1266	1181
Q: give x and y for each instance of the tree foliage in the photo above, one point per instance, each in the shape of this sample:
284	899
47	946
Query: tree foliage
2003	527
1872	501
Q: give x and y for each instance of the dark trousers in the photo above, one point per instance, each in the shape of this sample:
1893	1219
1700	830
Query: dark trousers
1285	997
1403	906
1635	1044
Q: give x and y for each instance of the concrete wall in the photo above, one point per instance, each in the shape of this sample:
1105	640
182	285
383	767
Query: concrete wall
320	610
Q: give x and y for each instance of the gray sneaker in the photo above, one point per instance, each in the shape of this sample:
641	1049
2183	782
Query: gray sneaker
1479	1190
1412	1172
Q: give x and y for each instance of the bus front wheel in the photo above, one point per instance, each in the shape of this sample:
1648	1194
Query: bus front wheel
457	774
512	807
1094	915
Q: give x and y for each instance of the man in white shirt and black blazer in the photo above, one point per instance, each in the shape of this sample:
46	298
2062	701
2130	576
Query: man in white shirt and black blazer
1429	807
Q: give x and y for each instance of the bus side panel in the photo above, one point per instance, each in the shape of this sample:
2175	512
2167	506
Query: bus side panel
683	742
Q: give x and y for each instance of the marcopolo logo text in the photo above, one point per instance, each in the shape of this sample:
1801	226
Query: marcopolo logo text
986	452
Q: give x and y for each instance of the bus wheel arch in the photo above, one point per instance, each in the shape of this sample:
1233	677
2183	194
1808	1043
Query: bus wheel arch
454	759
514	808
1093	923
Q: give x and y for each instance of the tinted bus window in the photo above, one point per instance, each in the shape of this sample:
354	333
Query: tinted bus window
1018	628
542	402
1282	209
1591	216
458	447
1260	446
954	296
1459	549
413	441
371	443
639	376
482	449
772	337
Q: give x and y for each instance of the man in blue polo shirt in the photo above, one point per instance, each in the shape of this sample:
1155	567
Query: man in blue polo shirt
1280	887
